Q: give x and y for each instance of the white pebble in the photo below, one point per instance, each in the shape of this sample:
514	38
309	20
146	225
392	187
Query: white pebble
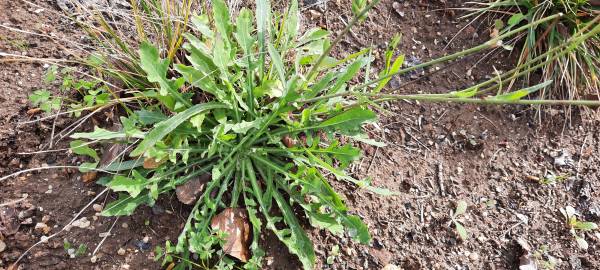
81	223
97	207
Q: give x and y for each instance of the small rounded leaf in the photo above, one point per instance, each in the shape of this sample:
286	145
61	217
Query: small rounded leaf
582	243
586	226
461	208
462	232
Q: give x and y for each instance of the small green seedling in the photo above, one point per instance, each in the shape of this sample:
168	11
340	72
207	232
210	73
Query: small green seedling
73	253
576	226
335	251
461	208
543	259
45	100
552	178
92	92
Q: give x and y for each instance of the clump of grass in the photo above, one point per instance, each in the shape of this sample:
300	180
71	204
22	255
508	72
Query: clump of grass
574	69
117	33
262	149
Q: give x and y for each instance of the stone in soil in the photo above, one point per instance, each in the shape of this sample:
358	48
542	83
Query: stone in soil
81	223
42	228
97	207
141	245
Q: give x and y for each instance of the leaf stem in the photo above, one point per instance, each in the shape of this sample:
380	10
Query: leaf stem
489	44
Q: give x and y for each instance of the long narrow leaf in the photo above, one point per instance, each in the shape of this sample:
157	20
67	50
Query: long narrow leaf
163	128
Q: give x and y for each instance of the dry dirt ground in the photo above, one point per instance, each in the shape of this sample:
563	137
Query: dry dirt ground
436	155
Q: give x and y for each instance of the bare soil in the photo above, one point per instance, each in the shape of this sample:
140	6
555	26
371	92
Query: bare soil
436	155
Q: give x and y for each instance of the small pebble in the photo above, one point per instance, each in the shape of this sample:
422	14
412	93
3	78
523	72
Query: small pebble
390	267
81	223
121	251
42	228
140	245
27	221
125	225
97	207
2	246
474	256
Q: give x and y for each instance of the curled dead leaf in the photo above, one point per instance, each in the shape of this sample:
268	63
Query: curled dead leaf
110	153
33	111
532	178
89	177
288	141
188	192
151	163
234	222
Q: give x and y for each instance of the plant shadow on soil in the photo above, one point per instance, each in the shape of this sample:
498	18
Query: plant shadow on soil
487	155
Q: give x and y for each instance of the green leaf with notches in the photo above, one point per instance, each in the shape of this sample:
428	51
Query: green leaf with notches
348	122
134	186
125	205
163	128
80	147
100	134
156	71
39	96
297	241
155	68
243	32
358	6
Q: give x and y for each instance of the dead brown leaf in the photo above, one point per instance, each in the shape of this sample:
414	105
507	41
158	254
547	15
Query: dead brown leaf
33	111
110	154
151	163
288	141
9	222
188	192
234	222
89	177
